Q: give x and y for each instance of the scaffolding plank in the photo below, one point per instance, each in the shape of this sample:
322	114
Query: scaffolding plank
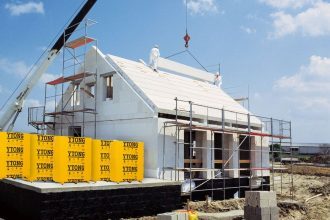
87	110
69	78
42	123
226	130
79	42
56	81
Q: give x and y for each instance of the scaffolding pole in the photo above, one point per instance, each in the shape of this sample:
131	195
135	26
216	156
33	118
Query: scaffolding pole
189	124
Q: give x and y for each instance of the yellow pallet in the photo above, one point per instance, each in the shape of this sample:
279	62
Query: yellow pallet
101	160
14	155
72	159
126	161
41	158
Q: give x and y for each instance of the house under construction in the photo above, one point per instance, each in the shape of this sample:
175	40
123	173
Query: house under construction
193	131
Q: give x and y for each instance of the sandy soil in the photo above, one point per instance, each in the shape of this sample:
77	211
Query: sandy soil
306	185
309	170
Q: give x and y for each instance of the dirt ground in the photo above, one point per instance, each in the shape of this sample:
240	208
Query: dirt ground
309	170
306	185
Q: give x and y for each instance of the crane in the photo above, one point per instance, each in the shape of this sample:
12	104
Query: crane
11	113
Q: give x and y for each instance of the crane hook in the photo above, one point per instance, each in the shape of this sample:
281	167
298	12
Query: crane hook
186	39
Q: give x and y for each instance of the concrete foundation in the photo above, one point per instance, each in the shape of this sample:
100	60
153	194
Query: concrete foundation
233	186
101	200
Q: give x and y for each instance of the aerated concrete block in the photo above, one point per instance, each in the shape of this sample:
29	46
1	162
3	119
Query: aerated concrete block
262	211
182	216
260	198
167	216
173	216
249	210
274	210
275	217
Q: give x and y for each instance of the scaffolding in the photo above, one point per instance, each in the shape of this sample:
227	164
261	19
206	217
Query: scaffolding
73	94
247	128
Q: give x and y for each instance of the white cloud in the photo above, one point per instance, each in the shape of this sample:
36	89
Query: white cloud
17	68
20	69
319	66
47	77
201	6
282	4
248	30
314	21
25	8
310	86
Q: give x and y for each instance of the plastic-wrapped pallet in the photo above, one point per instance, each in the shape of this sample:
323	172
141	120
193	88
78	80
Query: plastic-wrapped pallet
72	159
126	161
14	154
101	160
41	158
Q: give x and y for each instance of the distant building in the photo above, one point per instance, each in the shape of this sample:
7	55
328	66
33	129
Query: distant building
308	148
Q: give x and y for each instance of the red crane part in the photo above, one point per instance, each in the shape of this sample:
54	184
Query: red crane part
186	39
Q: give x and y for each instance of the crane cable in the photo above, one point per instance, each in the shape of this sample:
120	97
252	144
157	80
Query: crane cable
39	58
186	37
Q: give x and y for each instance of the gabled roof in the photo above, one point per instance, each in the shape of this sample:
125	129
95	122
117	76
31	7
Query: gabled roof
161	88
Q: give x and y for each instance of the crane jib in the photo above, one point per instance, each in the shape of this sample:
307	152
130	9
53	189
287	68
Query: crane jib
8	118
73	25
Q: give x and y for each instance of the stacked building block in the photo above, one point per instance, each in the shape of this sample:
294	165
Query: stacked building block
65	159
126	161
14	155
72	159
261	205
41	158
101	160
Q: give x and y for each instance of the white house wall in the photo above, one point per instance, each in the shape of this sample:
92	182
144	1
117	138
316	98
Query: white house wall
125	117
166	153
260	156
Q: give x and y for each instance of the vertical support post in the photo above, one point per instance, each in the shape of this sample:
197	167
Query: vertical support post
164	127
272	149
281	171
176	172
190	147
55	105
62	86
75	96
261	162
84	79
95	90
212	159
249	151
222	143
291	192
44	111
178	154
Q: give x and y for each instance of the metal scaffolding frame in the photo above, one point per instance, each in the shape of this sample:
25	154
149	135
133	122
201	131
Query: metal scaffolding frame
278	132
74	74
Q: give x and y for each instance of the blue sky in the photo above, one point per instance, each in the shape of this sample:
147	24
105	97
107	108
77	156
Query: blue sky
279	48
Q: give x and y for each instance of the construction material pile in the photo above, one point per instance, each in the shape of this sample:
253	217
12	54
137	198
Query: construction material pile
217	206
66	159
